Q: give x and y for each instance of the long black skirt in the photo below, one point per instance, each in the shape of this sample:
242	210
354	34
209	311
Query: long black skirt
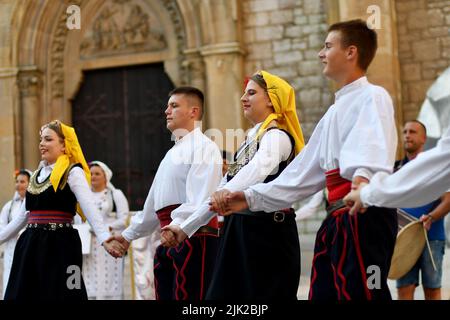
47	266
258	259
352	256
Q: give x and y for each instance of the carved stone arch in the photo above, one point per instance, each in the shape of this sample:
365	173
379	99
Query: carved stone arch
35	22
220	19
49	56
189	16
45	42
168	16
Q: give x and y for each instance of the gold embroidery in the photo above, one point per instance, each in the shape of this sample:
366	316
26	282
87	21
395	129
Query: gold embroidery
34	187
248	153
245	156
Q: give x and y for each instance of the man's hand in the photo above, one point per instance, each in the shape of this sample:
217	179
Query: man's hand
116	246
234	202
219	201
178	233
168	239
353	199
427	220
113	247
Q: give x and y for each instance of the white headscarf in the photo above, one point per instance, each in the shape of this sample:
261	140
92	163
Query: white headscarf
107	171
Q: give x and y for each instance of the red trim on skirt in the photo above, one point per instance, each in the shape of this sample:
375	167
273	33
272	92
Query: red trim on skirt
338	188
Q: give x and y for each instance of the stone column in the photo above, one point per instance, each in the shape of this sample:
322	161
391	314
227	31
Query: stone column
195	69
8	155
224	74
30	83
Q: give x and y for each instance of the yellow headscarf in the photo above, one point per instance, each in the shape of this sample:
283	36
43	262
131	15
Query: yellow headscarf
72	155
282	96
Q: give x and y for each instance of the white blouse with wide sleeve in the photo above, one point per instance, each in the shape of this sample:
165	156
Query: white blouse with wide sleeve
420	181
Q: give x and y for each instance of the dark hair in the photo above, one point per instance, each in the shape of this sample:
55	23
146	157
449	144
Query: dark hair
420	123
90	165
23	172
226	155
259	79
357	33
55	125
191	92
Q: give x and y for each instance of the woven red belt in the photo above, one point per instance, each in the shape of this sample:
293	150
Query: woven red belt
164	214
49	216
337	188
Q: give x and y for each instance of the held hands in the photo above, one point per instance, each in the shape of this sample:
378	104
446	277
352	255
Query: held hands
219	202
116	246
225	202
353	199
172	236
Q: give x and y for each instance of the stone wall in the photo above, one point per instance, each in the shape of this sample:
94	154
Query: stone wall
424	48
284	38
8	104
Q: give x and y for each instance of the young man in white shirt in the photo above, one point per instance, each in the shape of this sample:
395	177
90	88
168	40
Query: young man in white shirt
355	138
190	171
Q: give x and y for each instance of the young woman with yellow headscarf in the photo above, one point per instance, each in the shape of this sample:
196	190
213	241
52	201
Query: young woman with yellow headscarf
259	253
47	261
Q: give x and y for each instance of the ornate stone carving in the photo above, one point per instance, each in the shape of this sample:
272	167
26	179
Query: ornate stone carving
123	26
29	82
197	68
177	21
57	53
193	68
60	34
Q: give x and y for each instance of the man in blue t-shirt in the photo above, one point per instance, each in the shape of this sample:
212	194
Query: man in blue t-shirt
432	214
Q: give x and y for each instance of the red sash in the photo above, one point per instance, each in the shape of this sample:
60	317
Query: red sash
165	218
337	188
49	216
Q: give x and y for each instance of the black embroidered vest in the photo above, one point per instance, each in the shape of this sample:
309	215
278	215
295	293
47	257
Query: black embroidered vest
42	196
249	152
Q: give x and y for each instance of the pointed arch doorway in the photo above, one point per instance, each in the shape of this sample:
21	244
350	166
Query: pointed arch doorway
118	114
